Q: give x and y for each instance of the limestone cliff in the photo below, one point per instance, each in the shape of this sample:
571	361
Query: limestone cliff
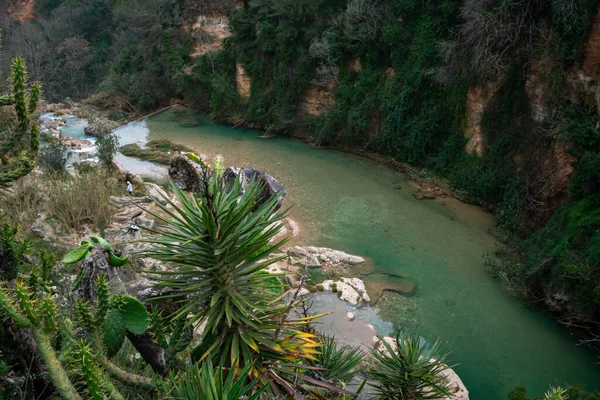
478	99
315	100
242	81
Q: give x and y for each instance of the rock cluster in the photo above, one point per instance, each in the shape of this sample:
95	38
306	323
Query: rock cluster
155	192
271	187
351	290
186	174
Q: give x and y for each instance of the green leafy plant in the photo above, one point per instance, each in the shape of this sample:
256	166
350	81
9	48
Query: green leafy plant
212	240
204	382
339	364
31	305
410	369
107	148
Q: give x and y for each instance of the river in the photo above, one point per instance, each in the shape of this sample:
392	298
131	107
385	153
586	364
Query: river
358	206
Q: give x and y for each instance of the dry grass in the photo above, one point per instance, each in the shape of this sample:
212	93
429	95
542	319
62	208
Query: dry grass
83	199
24	200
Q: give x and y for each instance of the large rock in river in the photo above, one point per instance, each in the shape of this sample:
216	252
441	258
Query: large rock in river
271	187
186	174
100	127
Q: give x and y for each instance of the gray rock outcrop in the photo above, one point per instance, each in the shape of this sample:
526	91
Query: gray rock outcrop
100	127
156	193
186	174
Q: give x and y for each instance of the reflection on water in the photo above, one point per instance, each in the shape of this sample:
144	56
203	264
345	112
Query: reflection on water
360	207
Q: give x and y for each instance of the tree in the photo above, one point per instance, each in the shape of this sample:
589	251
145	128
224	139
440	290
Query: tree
76	55
107	148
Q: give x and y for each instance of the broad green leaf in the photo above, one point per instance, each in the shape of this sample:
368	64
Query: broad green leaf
114	332
77	254
135	316
103	243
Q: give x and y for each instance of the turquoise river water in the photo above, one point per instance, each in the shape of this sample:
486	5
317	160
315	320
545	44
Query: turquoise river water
358	206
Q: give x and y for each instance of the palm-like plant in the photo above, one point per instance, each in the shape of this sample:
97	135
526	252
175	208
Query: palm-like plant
339	363
218	242
410	370
203	382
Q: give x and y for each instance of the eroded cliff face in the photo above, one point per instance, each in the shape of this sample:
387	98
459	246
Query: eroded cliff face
20	10
209	32
547	167
242	81
478	99
315	101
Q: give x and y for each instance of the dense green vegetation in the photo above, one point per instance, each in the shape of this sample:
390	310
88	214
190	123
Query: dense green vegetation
131	50
400	71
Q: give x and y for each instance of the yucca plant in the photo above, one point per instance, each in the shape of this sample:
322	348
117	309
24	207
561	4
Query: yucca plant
206	383
556	393
411	369
218	242
339	363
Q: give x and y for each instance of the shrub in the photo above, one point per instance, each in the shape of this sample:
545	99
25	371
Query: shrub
53	154
107	148
315	275
82	199
340	362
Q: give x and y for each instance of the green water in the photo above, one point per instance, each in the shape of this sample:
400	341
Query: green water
358	206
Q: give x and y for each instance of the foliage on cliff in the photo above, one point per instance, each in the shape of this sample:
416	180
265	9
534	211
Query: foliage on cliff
130	49
400	72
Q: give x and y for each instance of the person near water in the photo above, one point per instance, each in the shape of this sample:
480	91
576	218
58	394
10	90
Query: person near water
133	228
130	189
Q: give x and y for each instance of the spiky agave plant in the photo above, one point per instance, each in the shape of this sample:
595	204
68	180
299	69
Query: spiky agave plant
410	369
218	241
340	363
206	383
